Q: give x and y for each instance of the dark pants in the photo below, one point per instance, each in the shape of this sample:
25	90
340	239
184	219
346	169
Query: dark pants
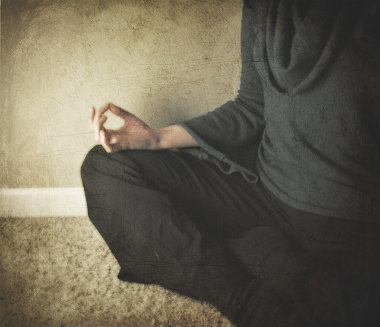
177	221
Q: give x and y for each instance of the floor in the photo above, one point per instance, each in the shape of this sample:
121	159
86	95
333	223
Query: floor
59	272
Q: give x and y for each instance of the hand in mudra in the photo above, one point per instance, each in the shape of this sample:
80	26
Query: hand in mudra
134	134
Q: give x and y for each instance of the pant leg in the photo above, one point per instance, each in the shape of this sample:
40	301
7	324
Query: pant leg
153	238
344	249
234	256
352	246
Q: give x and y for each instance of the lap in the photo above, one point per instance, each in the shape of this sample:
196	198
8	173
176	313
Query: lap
227	203
224	200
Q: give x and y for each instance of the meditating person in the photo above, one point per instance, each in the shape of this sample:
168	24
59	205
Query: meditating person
268	206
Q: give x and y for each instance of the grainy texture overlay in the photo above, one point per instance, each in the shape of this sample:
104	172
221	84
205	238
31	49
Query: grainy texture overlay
59	272
164	61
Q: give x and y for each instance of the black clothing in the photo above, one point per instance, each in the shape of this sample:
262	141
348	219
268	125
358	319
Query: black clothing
306	118
293	237
172	219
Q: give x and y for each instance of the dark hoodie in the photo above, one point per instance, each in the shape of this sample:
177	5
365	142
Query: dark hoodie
306	118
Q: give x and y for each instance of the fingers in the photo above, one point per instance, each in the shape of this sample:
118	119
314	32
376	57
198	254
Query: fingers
110	140
98	114
104	141
102	110
97	119
98	126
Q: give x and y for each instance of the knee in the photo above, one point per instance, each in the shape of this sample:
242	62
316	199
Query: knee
90	161
125	166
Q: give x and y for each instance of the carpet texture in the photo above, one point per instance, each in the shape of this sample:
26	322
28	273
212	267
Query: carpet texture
59	272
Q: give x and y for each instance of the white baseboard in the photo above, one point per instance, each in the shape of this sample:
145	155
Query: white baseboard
42	202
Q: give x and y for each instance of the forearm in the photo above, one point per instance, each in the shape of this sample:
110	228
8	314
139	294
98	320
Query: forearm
174	136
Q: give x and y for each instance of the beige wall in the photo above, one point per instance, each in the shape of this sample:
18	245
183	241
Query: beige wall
163	60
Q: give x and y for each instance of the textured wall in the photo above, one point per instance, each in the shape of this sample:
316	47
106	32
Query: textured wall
164	60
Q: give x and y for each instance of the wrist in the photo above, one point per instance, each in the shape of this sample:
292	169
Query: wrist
165	137
160	139
151	141
173	136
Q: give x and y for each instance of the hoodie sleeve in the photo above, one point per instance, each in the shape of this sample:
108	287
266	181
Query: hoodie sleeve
239	123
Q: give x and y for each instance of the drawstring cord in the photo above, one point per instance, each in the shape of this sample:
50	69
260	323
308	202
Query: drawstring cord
218	158
233	168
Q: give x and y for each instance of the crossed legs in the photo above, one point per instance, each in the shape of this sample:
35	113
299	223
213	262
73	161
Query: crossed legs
174	220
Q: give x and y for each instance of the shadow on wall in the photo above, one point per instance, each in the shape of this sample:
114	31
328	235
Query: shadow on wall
163	60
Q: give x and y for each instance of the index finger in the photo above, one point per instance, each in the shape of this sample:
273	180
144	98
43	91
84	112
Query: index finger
101	111
122	113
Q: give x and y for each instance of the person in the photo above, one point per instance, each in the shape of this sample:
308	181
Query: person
268	206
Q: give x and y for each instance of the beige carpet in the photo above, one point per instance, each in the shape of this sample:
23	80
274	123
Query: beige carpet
59	272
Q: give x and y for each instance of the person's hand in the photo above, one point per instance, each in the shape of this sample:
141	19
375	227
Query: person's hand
134	134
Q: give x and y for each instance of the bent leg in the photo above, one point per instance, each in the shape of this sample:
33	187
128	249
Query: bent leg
151	234
174	220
